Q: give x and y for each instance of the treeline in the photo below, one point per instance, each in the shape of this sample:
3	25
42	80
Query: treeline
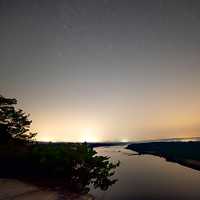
182	150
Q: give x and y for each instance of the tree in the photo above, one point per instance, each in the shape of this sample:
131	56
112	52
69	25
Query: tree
76	165
14	123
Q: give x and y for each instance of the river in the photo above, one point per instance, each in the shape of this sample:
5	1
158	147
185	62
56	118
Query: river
147	177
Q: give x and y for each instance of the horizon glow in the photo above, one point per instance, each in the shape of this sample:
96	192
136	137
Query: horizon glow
103	70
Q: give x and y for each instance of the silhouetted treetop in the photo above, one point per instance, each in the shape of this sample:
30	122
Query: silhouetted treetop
14	123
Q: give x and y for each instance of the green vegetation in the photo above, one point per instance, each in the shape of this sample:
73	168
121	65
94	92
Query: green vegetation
75	166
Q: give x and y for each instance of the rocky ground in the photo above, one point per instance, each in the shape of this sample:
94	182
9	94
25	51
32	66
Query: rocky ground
11	189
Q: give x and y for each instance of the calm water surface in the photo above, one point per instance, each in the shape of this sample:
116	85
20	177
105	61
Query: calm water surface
149	177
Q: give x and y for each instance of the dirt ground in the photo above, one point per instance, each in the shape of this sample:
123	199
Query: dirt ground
11	189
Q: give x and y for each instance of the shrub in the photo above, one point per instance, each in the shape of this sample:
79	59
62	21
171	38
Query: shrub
76	163
74	166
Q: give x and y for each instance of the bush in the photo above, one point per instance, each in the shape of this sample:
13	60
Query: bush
73	165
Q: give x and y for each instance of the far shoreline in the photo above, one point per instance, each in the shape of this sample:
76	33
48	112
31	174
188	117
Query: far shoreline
171	152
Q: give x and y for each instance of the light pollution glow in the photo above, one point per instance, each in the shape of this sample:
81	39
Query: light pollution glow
103	70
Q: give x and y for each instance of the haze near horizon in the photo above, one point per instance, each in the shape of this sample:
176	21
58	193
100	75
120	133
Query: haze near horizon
103	70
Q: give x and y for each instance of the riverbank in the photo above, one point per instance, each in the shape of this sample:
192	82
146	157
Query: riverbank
18	190
184	153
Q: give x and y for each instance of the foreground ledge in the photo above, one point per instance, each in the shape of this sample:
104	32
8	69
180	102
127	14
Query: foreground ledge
18	190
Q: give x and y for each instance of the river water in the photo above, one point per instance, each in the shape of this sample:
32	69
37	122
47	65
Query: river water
147	177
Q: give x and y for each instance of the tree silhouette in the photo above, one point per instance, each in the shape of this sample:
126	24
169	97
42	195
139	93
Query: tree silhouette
14	123
74	165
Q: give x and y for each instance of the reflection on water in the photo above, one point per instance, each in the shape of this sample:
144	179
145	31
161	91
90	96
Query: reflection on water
148	177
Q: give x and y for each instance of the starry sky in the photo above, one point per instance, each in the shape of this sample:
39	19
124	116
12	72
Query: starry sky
103	70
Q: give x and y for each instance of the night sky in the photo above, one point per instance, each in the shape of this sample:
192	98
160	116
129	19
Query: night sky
102	70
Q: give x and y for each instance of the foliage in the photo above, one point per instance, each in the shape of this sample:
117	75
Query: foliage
74	165
14	123
77	162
